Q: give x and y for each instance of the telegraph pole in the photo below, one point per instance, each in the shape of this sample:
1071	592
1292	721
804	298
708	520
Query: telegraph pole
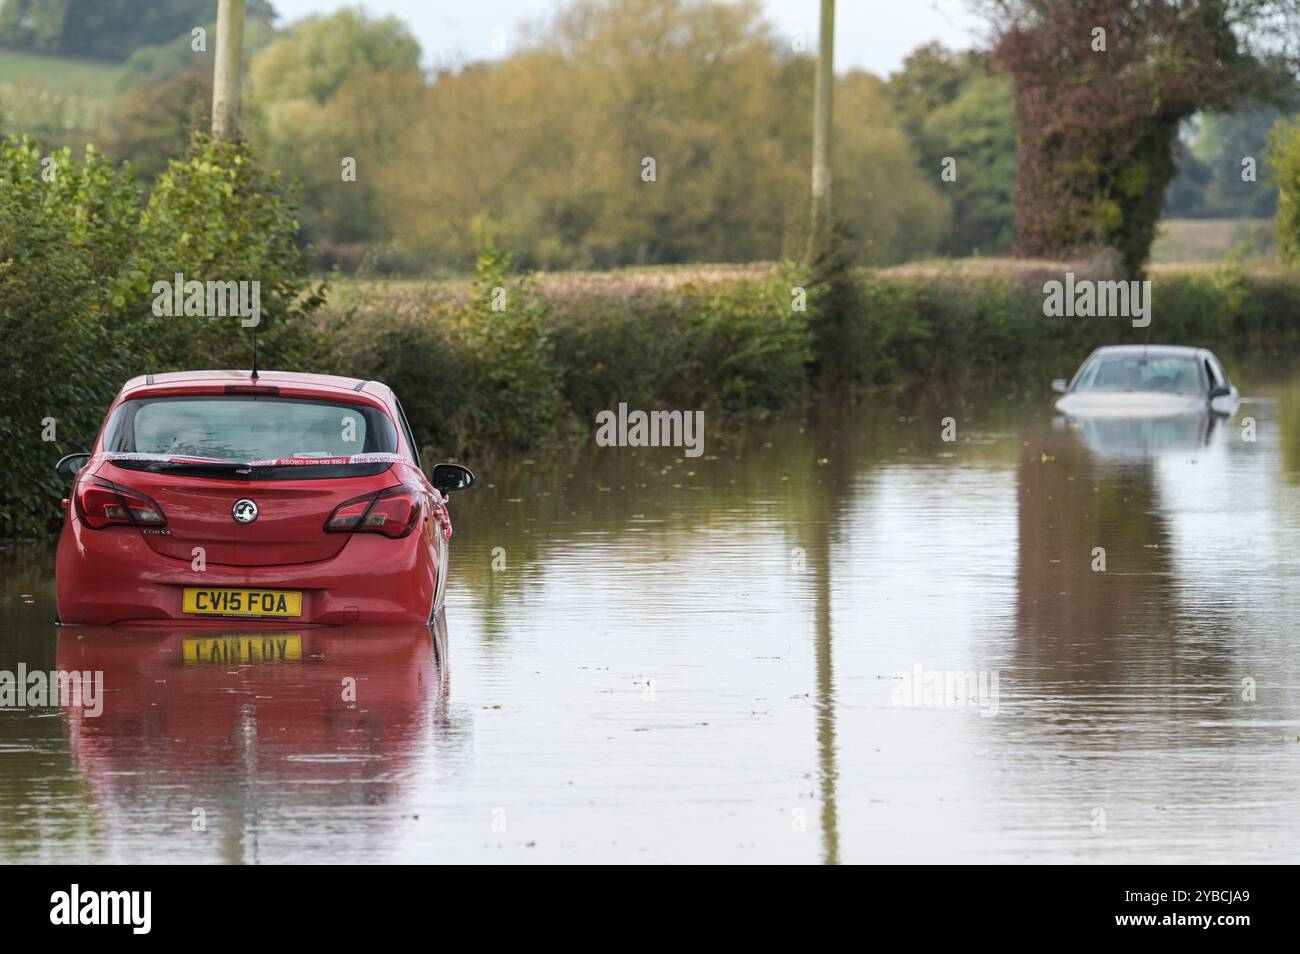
821	166
226	76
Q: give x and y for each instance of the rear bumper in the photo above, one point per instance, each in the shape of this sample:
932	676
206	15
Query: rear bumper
113	576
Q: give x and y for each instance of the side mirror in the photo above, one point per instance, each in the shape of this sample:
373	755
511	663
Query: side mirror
68	466
1060	385
1220	391
449	477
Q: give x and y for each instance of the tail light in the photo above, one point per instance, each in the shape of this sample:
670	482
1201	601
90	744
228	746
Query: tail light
102	503
393	512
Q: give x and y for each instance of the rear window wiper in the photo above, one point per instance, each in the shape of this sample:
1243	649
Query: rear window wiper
159	462
225	466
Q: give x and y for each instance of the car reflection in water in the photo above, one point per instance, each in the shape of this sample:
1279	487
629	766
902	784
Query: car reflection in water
1141	438
226	739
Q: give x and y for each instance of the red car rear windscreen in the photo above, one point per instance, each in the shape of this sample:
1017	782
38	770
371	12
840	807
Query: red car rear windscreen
244	435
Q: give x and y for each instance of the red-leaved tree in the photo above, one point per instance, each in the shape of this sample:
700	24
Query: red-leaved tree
1101	88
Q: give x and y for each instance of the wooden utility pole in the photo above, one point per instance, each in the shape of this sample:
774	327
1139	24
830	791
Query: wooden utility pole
821	166
226	76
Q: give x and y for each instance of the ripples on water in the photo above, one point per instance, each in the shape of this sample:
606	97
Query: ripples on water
703	659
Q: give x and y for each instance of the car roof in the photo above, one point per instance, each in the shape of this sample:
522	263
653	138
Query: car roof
173	380
1166	351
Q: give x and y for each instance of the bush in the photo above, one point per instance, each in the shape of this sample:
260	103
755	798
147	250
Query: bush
476	379
957	327
410	353
1284	154
472	376
743	345
217	215
728	345
62	225
510	398
510	366
78	258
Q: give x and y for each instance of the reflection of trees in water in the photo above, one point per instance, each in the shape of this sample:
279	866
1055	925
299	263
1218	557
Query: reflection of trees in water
798	471
648	501
1078	629
768	471
1067	614
651	501
40	806
839	446
1288	423
26	573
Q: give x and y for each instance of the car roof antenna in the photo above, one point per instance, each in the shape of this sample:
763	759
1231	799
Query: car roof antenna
253	375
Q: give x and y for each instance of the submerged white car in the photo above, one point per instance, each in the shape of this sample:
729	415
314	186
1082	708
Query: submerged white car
1147	381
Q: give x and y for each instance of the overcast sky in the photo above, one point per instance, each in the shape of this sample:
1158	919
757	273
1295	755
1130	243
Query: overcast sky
870	34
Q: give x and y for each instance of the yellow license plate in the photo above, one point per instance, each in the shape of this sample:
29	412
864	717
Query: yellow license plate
242	602
260	648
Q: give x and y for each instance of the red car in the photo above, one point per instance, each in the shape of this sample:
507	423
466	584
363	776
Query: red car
213	496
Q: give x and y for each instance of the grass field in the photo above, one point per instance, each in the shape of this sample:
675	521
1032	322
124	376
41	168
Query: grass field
1209	247
91	78
53	97
1183	245
1209	240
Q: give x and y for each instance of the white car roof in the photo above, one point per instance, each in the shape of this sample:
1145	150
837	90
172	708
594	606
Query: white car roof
1168	351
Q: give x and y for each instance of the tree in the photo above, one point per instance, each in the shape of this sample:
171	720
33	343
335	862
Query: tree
932	76
885	199
1101	90
110	29
647	132
151	124
1223	141
58	239
331	89
1284	154
164	96
314	58
957	113
976	133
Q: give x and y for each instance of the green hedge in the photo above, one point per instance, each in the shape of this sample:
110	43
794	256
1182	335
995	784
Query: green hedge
475	380
952	327
738	344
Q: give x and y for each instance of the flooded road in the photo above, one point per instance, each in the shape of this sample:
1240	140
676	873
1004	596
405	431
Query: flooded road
832	638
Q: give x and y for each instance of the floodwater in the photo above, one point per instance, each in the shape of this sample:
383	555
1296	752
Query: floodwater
835	637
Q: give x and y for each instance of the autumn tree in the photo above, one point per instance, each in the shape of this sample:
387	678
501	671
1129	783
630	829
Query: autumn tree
649	131
325	99
1101	88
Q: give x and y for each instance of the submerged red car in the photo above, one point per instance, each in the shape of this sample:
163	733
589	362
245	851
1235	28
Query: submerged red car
220	496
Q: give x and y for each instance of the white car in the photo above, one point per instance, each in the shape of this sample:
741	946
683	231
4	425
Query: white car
1147	381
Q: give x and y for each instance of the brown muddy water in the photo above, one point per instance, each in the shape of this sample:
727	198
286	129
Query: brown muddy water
832	638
